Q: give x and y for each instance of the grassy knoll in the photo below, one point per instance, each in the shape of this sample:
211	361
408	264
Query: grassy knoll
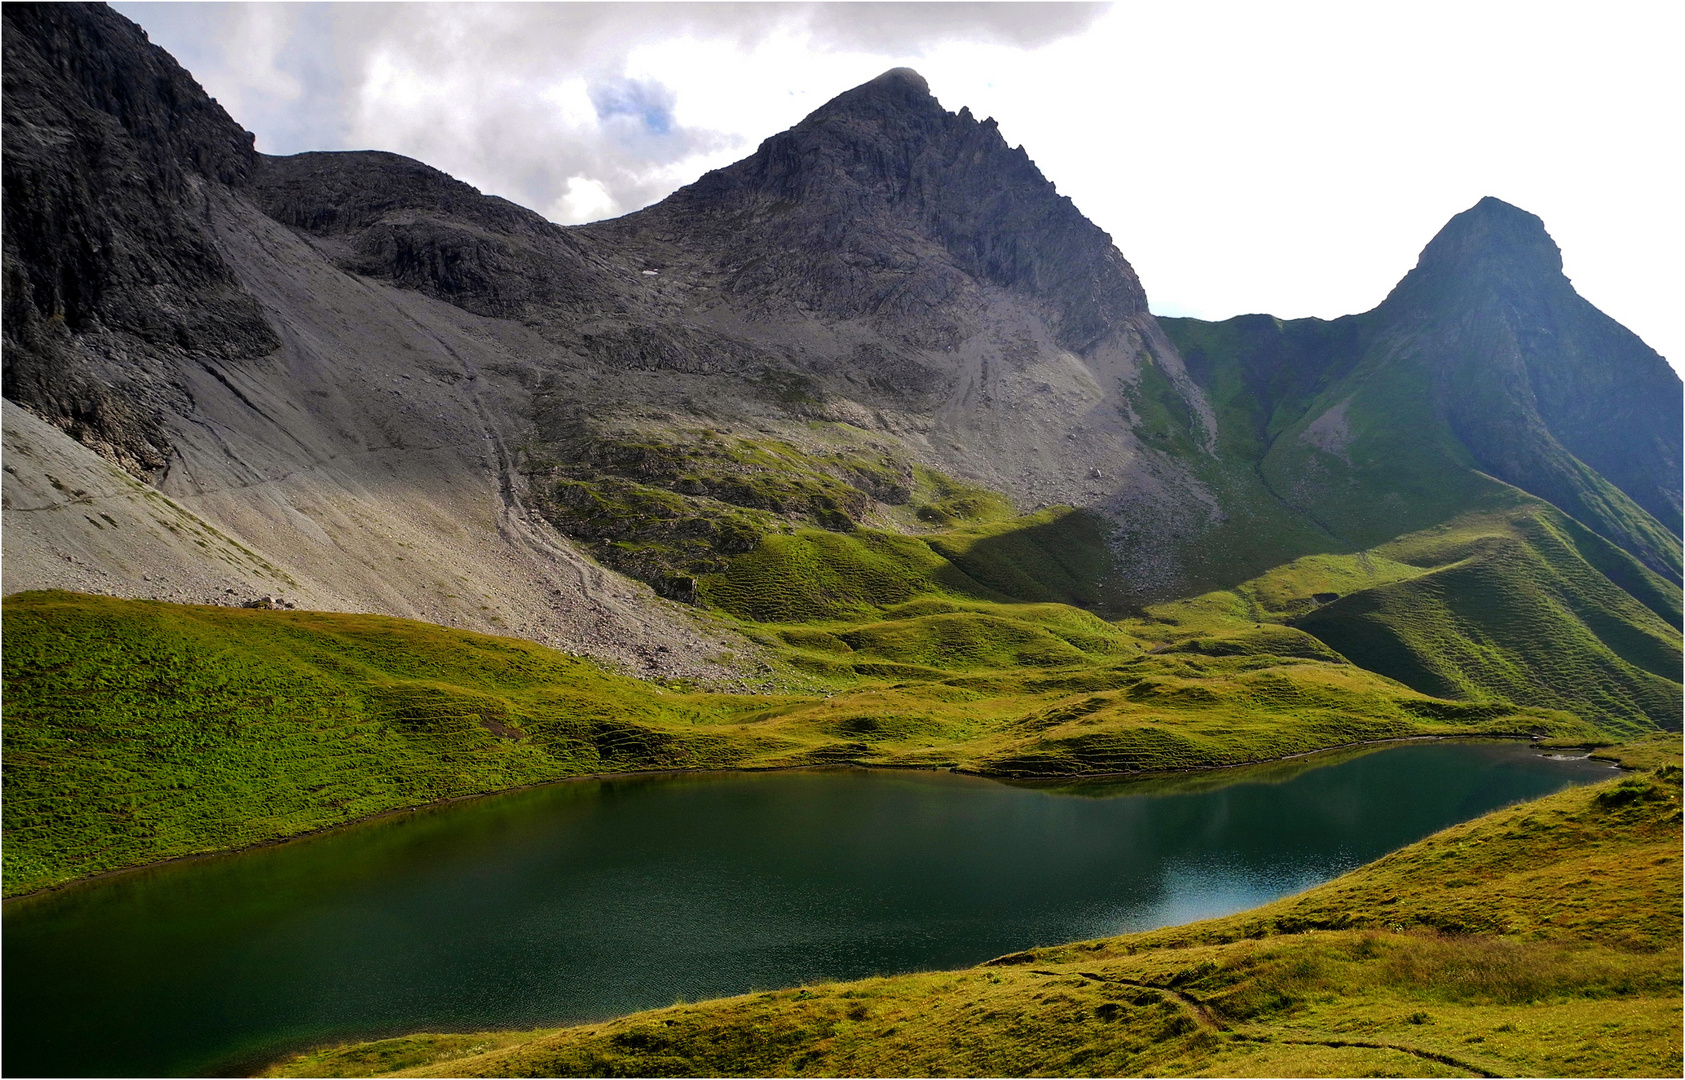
137	730
1542	939
1057	555
1655	752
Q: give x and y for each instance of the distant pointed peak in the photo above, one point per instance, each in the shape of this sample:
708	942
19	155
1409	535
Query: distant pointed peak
1493	229
1495	209
902	78
896	91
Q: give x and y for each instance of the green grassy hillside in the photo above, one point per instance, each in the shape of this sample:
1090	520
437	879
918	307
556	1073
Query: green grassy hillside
1329	448
1517	614
1540	940
770	531
137	730
1396	420
1520	606
1316	451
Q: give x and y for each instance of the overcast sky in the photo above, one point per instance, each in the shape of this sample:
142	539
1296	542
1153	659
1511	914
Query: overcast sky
1290	158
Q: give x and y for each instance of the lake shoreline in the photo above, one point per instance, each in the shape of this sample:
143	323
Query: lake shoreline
574	905
438	804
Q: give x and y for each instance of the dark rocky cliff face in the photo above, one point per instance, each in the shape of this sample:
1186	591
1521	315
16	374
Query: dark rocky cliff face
110	274
396	219
1535	380
883	203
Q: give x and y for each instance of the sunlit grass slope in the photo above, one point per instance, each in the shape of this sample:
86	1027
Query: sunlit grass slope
767	528
1057	555
1521	605
137	730
1540	940
1513	603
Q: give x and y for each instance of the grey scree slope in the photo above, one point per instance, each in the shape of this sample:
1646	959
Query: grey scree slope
370	462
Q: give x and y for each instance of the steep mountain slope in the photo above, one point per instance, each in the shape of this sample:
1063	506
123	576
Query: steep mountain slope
1540	385
878	361
109	277
887	280
447	358
157	317
1482	362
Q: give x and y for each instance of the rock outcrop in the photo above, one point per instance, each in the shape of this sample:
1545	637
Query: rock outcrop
111	276
883	204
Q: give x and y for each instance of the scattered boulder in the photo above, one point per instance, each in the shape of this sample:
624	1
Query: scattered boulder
269	603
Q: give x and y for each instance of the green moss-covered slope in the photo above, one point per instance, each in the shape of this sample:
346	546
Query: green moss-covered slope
769	530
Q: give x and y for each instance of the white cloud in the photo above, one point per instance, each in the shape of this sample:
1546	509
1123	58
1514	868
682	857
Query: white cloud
586	200
1291	158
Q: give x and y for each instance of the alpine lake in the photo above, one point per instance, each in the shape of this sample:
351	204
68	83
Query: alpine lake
588	899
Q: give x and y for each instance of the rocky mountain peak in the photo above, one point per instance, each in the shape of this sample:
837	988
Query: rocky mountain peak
107	64
1492	237
898	88
878	176
861	147
1536	381
109	147
1492	252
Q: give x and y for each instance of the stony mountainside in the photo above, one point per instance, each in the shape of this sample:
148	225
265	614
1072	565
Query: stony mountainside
355	381
884	205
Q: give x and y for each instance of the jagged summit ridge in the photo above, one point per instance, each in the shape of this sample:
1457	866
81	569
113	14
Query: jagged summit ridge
855	187
898	87
1492	237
